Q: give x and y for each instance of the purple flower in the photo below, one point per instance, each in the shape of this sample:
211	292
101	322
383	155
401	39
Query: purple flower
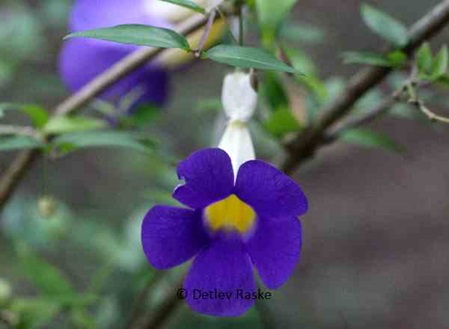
81	60
231	226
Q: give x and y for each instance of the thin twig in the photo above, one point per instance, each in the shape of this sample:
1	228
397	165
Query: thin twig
430	114
304	144
371	115
139	302
241	24
360	120
205	36
168	306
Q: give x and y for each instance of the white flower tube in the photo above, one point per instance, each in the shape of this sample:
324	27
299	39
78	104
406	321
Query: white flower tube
239	102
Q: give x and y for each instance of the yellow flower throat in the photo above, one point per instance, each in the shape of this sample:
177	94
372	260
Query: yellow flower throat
230	214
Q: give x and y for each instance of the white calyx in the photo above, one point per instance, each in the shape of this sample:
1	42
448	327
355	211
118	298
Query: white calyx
239	102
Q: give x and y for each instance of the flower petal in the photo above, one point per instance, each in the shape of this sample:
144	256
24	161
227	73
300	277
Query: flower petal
223	268
81	60
92	14
269	191
170	236
208	178
275	249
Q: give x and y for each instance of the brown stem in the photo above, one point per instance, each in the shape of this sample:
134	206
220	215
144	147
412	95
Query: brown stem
207	29
304	145
139	303
168	306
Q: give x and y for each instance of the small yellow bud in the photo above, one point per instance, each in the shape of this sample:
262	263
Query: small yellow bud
47	206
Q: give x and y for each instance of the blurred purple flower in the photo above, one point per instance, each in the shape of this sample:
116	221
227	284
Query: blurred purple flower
230	227
81	60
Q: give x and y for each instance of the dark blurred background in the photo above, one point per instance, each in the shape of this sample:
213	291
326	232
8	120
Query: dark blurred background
376	238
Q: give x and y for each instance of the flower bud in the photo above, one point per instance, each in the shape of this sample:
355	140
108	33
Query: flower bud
239	97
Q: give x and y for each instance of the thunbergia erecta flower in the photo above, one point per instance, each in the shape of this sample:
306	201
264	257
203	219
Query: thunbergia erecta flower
241	213
230	225
81	60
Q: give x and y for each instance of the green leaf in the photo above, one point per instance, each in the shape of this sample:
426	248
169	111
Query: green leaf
351	57
65	124
187	4
273	91
440	64
303	33
77	140
314	85
247	57
37	114
271	15
35	312
142	115
369	138
282	122
46	277
424	59
134	34
393	59
397	58
19	143
209	105
300	61
385	26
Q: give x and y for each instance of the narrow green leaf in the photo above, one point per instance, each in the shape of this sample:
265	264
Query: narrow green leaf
385	26
273	91
443	81
209	105
440	64
247	57
142	115
369	138
38	115
300	61
19	143
397	58
424	59
271	15
303	33
135	34
316	86
282	122
64	124
35	312
303	63
351	57
393	59
187	4
46	277
77	140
